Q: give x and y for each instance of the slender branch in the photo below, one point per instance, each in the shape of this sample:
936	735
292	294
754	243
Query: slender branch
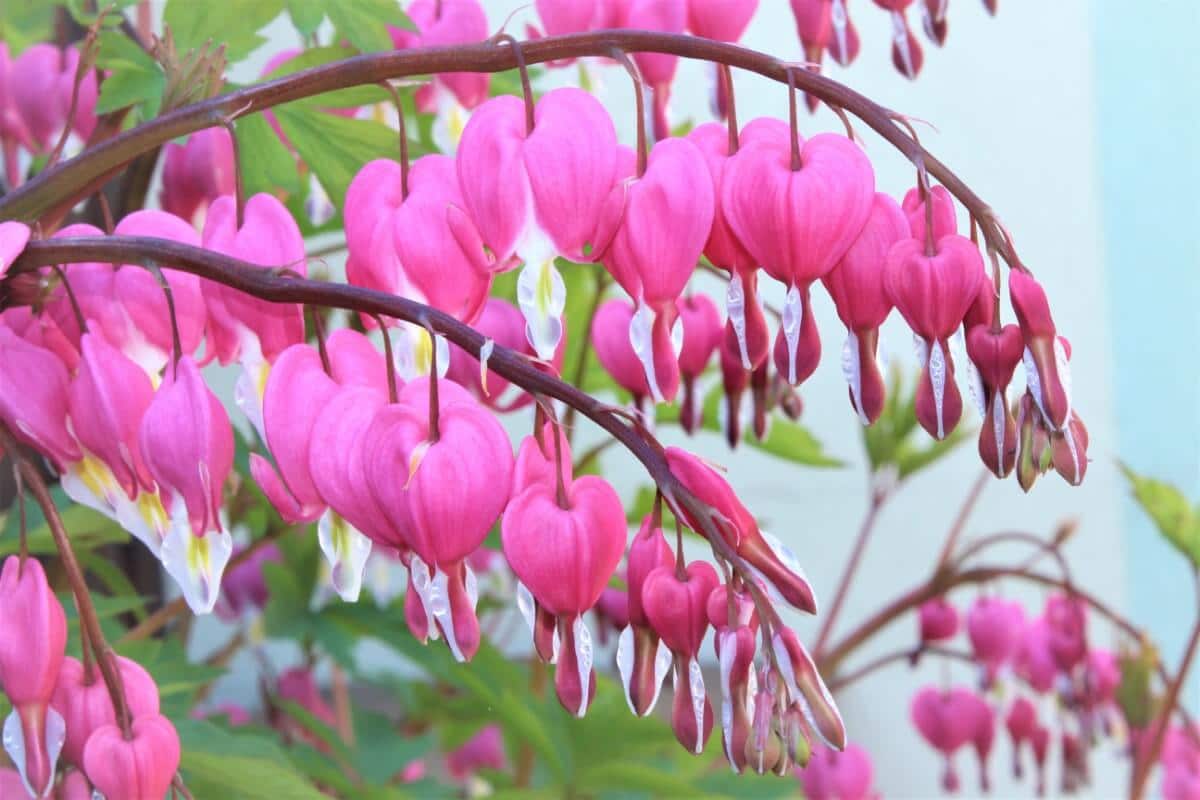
910	654
88	620
960	522
878	498
63	185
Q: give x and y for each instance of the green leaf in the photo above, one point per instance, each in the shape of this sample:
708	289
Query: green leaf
306	15
335	148
895	440
643	505
134	78
217	762
364	22
1172	513
632	776
233	23
266	164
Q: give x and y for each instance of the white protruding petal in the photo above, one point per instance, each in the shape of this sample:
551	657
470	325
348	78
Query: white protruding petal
625	663
317	205
485	354
927	21
699	697
784	660
641	338
584	655
91	483
900	37
1033	381
439	606
1064	372
14	745
937	379
677	334
998	407
735	310
662	665
450	119
1070	439
921	348
542	296
525	604
728	653
852	371
414	352
793	316
249	390
422	583
787	557
196	562
840	20
146	519
346	550
975	387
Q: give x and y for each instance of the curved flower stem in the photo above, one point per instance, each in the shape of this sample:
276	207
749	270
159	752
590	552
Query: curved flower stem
277	287
912	655
960	522
878	498
60	187
1145	759
88	621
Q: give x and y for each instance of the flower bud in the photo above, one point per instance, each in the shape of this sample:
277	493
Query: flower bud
139	768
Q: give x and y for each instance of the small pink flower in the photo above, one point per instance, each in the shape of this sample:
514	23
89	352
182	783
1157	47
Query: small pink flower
1033	660
994	627
196	173
298	685
85	705
1021	723
945	718
945	215
442	23
938	620
34	398
702	333
610	339
1045	355
657	69
484	750
983	737
1102	676
830	775
642	658
1066	623
33	637
244	587
995	355
42	82
139	768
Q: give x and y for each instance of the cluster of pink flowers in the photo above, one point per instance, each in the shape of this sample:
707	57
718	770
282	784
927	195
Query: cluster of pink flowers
1180	758
825	27
62	710
36	91
1030	662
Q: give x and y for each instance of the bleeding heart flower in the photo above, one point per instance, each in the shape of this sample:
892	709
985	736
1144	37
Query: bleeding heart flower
938	620
657	69
830	775
196	173
746	326
798	220
701	335
946	719
1046	369
668	214
735	645
82	699
611	331
932	287
34	398
945	215
642	658
856	286
739	528
1021	722
1102	677
187	445
983	736
806	687
484	750
564	538
995	355
676	604
41	84
33	638
724	21
139	768
1033	662
244	588
907	55
994	627
1066	621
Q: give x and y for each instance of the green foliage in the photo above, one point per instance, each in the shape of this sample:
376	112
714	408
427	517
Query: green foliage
334	147
134	78
219	762
896	441
266	164
25	22
1172	513
233	23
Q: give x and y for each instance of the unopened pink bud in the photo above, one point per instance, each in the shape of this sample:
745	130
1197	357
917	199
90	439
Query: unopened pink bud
139	768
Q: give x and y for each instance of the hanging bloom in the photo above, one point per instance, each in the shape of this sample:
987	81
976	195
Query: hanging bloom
833	775
993	626
995	355
772	207
806	687
732	614
856	286
139	768
739	528
657	69
298	685
564	538
1046	369
33	638
734	380
14	133
41	84
484	750
1066	622
82	698
611	330
642	657
196	173
933	20
945	719
442	481
675	601
536	193
746	326
450	95
932	284
701	335
938	620
724	21
983	736
668	214
1102	677
33	398
1033	661
187	445
1021	722
907	55
945	214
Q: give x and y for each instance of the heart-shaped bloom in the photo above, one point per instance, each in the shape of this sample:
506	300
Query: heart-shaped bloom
657	69
33	638
825	25
1032	660
1021	721
187	445
676	604
938	620
34	398
443	485
945	215
642	658
196	173
830	775
42	83
739	528
1066	621
1046	359
731	613
946	719
983	736
798	221
537	193
933	288
746	326
856	286
139	768
611	340
701	335
995	355
668	214
564	538
82	699
994	627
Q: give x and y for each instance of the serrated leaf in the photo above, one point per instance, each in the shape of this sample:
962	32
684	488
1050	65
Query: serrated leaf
1172	513
335	148
306	15
364	23
216	762
233	23
266	164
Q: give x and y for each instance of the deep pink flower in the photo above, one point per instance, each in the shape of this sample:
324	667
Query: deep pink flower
830	775
995	355
484	750
443	489
41	84
140	768
1102	676
564	538
736	648
1021	722
14	133
1066	623
642	658
298	685
657	69
798	224
610	340
938	620
196	173
1033	660
994	626
186	444
734	380
932	289
1045	355
945	718
701	335
983	736
856	286
677	607
34	398
945	215
85	704
907	55
73	786
33	638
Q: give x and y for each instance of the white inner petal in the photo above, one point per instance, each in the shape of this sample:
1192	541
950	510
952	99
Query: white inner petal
346	550
439	606
584	656
840	21
625	663
485	354
937	379
422	583
998	409
852	371
641	328
542	296
735	310
699	698
793	316
900	37
195	562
